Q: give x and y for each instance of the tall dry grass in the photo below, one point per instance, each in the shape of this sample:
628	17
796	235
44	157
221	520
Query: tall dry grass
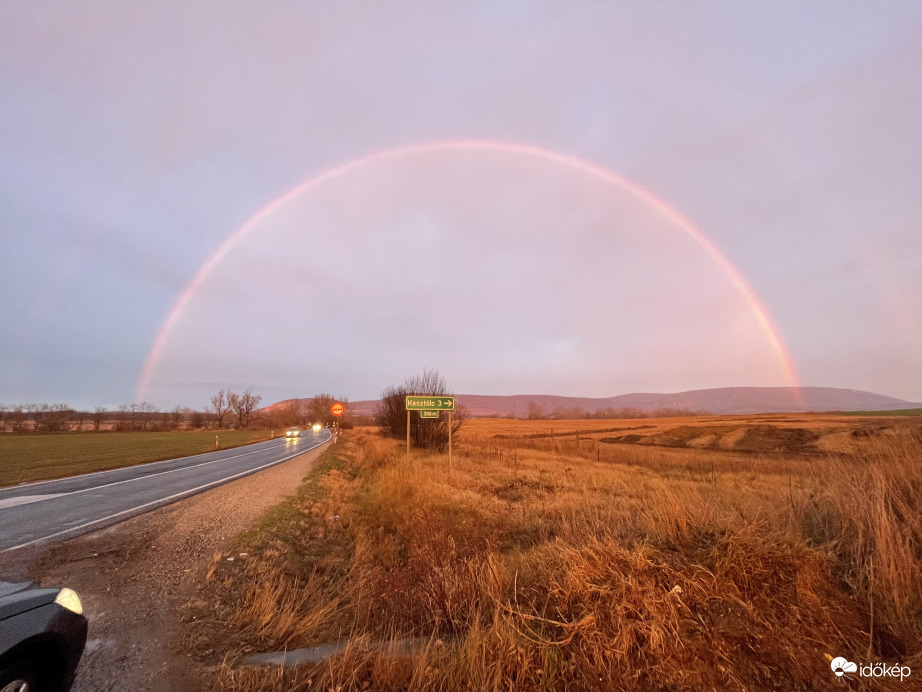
876	531
540	566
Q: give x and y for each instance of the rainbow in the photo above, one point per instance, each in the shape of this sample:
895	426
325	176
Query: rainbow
487	146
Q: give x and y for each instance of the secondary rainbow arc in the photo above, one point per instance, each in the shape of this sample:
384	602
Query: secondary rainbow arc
766	324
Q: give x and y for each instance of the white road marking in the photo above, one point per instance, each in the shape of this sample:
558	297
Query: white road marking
165	500
26	499
159	473
148	464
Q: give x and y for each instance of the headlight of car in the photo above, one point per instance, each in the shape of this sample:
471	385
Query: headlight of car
67	598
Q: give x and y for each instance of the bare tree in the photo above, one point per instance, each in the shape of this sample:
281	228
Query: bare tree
535	412
569	413
17	418
391	414
57	416
79	418
35	413
390	411
147	413
131	416
287	413
122	418
175	418
243	405
220	406
318	409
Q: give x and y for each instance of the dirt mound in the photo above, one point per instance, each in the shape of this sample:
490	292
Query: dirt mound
768	438
538	436
752	438
627	439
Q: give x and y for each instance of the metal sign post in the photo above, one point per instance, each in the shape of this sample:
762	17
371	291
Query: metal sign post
429	407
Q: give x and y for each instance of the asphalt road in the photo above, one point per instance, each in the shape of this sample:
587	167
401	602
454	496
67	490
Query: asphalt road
56	510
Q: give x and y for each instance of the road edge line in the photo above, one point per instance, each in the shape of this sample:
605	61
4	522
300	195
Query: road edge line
150	506
132	466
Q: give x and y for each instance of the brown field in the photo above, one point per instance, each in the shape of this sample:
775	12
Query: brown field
731	553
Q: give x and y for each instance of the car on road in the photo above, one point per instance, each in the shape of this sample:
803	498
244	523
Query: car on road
294	432
42	635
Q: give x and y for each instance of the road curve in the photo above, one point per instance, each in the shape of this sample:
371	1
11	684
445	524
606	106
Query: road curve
55	510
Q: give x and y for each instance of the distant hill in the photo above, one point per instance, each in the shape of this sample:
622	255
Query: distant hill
725	400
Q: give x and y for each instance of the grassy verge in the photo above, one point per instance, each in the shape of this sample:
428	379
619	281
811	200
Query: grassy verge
278	587
535	566
42	457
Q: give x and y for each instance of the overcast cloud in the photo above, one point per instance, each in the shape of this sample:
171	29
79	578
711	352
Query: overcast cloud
135	138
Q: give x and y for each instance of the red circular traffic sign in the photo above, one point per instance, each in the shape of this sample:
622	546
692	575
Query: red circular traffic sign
337	409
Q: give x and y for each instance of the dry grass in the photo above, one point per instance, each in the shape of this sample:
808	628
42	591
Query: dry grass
539	565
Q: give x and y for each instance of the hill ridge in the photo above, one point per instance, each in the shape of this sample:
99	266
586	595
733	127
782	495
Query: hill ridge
717	400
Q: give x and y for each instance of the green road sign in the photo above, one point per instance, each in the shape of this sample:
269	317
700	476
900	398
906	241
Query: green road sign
431	403
428	414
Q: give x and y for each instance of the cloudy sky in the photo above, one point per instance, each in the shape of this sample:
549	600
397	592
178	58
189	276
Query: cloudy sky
527	196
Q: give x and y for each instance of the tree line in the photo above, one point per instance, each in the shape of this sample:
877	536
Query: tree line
535	412
53	418
226	409
295	412
240	410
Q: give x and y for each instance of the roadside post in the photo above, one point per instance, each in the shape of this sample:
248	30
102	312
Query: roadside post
337	410
429	407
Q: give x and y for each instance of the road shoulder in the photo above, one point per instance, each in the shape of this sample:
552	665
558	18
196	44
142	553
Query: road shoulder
134	577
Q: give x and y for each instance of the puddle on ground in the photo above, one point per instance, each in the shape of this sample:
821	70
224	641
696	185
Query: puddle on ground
317	654
94	644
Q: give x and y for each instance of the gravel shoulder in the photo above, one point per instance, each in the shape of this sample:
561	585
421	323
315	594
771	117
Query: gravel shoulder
135	577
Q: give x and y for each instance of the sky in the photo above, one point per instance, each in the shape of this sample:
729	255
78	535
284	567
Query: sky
583	199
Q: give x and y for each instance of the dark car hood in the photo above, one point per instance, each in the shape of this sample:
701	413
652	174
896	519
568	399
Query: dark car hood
18	598
6	588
